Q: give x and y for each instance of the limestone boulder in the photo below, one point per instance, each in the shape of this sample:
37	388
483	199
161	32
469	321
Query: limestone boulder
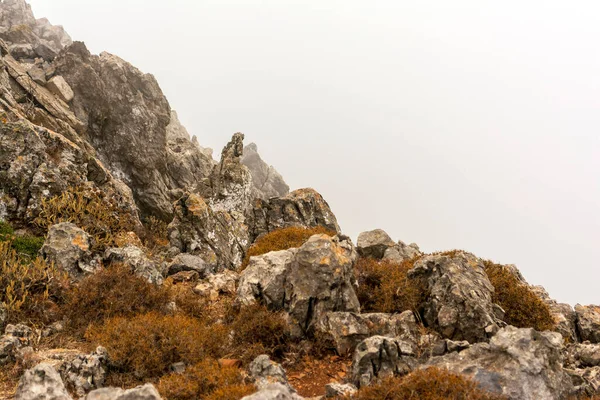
588	322
42	382
70	248
137	260
374	243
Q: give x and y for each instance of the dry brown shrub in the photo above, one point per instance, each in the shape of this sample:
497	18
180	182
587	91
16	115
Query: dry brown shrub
524	309
146	345
112	292
256	331
428	384
233	392
283	239
91	210
384	286
30	289
203	380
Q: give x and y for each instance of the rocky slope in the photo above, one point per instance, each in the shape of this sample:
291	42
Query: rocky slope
125	268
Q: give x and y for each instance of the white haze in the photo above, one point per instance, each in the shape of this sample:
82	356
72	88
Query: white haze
454	124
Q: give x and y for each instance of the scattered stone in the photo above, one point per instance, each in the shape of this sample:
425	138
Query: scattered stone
588	322
189	262
69	248
374	243
518	363
337	390
459	300
380	357
137	260
145	392
275	391
86	372
264	372
58	86
42	382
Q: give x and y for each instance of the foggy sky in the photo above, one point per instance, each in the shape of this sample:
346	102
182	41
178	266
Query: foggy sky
454	124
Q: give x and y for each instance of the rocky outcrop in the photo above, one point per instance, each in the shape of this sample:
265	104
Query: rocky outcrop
264	372
586	381
303	207
563	314
15	337
70	248
518	363
374	243
588	322
86	372
145	392
125	118
401	252
379	357
217	285
266	181
347	329
217	237
42	382
136	259
36	163
459	296
275	391
187	262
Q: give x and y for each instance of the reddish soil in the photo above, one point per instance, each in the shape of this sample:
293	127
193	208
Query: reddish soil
310	376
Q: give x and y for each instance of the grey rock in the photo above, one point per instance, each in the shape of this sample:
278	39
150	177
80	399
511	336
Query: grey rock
320	280
459	296
14	339
42	382
563	314
266	181
379	357
348	329
189	262
583	355
3	317
588	322
264	372
69	248
59	87
145	392
264	279
22	51
38	75
218	237
401	252
137	260
374	243
518	363
86	372
586	381
303	207
218	284
275	391
452	346
335	390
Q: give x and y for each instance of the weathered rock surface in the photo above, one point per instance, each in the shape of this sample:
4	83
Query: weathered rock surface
402	252
189	262
588	322
86	372
335	390
264	279
145	392
563	314
518	363
586	381
266	181
217	285
379	357
347	329
275	391
459	300
583	355
70	248
3	317
36	163
264	372
137	260
374	243
320	280
42	382
303	207
217	237
15	337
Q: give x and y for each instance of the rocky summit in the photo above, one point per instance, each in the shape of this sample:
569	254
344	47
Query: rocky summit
134	265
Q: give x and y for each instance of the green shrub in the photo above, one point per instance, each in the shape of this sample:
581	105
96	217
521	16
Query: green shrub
524	309
384	286
283	239
28	245
5	230
428	384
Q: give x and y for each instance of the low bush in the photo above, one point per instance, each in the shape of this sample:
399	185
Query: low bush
384	286
204	380
26	245
283	239
524	309
5	230
256	331
91	210
30	288
428	384
146	345
112	292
